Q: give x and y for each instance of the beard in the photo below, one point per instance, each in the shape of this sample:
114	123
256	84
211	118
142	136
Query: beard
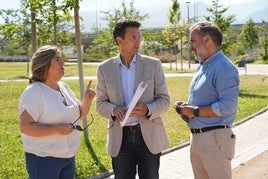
200	55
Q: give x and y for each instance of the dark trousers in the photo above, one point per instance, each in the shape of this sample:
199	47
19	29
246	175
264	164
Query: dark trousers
49	167
134	155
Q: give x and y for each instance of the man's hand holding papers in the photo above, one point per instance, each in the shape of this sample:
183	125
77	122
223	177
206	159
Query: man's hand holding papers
133	103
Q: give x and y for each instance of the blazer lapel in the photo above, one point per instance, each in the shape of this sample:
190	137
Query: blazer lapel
139	70
117	79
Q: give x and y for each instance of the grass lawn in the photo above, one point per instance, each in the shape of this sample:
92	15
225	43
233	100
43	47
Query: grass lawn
18	70
91	158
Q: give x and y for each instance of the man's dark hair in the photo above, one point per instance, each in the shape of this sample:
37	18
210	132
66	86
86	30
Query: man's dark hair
120	28
209	28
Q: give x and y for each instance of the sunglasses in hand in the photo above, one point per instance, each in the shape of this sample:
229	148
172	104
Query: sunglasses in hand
78	127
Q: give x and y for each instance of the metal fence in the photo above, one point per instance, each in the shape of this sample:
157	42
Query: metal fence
9	58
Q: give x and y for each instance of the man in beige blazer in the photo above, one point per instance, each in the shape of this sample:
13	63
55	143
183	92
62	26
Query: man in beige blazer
141	140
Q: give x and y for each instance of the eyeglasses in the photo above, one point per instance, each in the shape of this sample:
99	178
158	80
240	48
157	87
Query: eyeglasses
64	101
134	39
78	127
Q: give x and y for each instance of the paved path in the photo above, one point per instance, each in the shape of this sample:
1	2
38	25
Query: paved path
254	168
251	69
252	140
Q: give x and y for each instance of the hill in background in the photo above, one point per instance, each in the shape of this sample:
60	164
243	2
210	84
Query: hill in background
158	14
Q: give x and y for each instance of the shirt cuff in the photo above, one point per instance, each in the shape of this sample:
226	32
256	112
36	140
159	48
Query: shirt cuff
216	109
149	113
112	113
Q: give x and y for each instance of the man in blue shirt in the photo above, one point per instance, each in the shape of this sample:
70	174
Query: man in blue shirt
212	104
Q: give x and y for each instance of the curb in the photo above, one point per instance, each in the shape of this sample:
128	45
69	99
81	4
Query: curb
250	117
110	172
103	175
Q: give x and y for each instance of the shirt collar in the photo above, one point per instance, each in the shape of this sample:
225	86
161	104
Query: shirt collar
134	59
212	58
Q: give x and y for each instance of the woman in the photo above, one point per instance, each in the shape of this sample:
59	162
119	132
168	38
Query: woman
48	109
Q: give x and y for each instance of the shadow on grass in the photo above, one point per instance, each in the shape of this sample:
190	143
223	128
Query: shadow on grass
248	95
92	152
17	78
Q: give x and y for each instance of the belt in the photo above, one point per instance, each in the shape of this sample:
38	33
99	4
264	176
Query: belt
205	129
132	128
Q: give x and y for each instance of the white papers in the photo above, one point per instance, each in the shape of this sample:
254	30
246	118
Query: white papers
133	102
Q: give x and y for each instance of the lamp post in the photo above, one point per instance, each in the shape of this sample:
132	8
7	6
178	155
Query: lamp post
188	19
97	18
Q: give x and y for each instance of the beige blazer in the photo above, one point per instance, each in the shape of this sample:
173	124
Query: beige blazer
109	94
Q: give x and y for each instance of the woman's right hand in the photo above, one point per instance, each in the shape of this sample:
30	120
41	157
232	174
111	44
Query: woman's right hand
64	129
30	127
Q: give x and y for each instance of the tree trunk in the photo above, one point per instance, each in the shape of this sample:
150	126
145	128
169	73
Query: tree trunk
34	35
79	60
54	9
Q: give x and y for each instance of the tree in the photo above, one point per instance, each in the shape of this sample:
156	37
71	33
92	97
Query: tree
264	41
153	42
104	44
217	10
54	13
174	31
46	23
15	31
224	22
233	47
249	36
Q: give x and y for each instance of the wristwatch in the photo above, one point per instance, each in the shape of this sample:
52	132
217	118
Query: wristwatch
196	111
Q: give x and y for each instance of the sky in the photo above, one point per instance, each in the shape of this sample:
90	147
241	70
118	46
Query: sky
105	5
87	5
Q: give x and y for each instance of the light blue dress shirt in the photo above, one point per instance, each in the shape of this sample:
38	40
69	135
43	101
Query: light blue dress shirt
215	83
128	84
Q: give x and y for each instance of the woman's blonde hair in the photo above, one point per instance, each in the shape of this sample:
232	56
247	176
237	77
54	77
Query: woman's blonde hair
41	62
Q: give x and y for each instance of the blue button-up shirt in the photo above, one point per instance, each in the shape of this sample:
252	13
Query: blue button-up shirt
215	84
128	84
